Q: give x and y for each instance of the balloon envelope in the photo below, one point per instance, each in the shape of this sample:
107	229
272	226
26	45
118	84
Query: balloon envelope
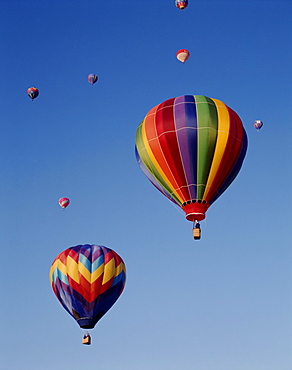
64	202
181	4
87	280
183	55
32	92
258	124
191	148
92	78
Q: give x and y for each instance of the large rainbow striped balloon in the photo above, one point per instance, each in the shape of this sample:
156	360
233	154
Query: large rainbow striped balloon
87	280
191	148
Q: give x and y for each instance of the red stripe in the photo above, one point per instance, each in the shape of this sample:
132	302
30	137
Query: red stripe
168	141
63	256
150	123
108	257
106	286
90	291
74	255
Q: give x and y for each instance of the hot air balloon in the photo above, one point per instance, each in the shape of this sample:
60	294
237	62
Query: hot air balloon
182	55
191	148
64	202
92	78
87	280
32	92
258	124
181	4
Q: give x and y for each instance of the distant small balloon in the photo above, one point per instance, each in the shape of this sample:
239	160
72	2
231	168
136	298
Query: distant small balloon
64	202
258	124
32	92
182	55
92	78
181	4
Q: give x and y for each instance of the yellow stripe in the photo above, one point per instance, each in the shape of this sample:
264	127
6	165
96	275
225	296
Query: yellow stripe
57	265
222	137
97	273
119	269
109	271
72	269
84	272
54	265
51	274
60	266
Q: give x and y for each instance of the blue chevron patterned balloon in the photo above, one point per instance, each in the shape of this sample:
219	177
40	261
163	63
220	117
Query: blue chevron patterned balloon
87	280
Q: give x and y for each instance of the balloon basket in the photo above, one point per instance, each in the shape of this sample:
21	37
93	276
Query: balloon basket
86	339
197	233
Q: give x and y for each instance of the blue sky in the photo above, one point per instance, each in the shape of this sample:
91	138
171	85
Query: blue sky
223	303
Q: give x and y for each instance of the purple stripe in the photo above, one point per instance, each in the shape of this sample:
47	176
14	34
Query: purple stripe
98	251
83	249
185	116
91	252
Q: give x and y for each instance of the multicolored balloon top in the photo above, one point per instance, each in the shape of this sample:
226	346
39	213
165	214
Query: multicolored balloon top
191	148
92	78
258	124
182	55
32	92
181	4
87	280
64	202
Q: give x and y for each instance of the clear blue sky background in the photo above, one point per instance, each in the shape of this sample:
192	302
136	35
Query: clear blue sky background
223	303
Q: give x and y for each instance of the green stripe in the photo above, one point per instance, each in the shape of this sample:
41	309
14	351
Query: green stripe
207	121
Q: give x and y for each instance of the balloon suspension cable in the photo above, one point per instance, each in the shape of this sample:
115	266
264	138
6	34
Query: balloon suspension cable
177	207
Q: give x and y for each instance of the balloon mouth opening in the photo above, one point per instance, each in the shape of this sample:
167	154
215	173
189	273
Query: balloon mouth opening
195	210
86	326
195	217
86	323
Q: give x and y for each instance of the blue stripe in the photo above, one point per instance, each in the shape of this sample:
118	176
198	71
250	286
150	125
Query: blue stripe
57	274
98	262
85	262
118	278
